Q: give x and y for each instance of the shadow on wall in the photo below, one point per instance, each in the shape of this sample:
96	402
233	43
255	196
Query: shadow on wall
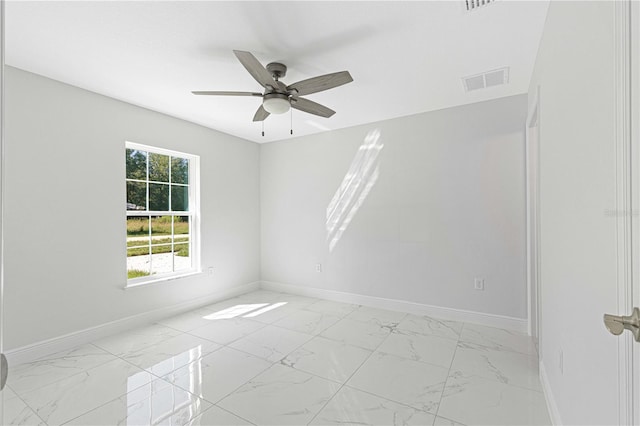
356	185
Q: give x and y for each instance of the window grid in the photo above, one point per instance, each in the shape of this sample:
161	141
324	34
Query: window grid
176	241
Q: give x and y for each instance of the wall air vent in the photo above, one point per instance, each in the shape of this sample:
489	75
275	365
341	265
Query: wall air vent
486	79
476	4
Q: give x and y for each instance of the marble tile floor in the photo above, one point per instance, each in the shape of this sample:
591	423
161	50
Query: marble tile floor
268	358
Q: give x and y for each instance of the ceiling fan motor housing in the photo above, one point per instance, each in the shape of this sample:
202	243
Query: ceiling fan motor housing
277	70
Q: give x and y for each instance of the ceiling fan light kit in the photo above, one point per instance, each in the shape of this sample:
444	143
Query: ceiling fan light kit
278	98
276	103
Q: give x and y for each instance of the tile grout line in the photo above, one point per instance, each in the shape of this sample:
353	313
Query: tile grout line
322	337
152	375
316	334
64	378
304	308
449	371
94	343
272	364
404	358
26	405
267	360
154	378
499	350
355	372
220	408
236	349
85	371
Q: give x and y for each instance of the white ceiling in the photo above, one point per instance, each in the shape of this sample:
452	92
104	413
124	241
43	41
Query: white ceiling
405	57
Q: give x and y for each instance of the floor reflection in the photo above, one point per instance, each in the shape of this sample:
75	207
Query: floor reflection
160	402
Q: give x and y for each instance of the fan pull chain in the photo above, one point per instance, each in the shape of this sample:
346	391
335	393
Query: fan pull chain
291	117
263	128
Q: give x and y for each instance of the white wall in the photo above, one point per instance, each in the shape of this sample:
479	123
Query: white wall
448	206
65	219
575	73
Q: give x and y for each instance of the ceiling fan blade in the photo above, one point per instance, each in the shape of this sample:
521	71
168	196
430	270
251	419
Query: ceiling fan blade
261	114
256	69
323	82
311	107
209	92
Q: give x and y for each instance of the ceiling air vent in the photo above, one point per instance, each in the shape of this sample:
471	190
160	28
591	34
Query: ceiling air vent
486	79
475	4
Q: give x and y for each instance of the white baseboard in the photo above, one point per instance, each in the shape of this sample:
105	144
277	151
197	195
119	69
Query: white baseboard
50	346
554	414
491	320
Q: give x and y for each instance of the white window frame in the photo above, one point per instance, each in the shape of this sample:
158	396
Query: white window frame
193	213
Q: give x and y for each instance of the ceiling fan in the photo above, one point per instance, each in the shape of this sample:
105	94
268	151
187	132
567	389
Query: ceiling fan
278	97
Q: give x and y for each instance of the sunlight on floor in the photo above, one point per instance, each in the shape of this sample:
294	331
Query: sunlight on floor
263	310
247	311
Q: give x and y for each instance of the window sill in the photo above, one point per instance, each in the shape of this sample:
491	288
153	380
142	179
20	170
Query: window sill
157	280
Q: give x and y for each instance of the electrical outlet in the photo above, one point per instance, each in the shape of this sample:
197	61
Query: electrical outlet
478	284
210	270
318	267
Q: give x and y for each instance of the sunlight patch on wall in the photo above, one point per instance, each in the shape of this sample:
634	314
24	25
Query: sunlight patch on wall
356	185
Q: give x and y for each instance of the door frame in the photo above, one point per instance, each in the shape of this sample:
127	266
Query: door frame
2	167
627	146
2	193
629	350
532	170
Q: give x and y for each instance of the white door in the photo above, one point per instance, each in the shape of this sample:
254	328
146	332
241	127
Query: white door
628	212
589	210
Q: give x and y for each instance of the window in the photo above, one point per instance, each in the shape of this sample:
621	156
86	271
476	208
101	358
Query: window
162	214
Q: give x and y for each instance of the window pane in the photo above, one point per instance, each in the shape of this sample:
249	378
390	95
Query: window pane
138	251
161	229
179	170
161	249
136	196
181	239
158	197
181	228
137	226
158	167
161	259
138	262
137	242
179	198
182	257
137	231
136	164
